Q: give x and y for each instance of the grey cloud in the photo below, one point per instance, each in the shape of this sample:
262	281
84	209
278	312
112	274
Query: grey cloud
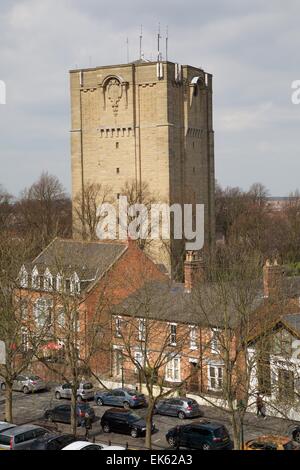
251	48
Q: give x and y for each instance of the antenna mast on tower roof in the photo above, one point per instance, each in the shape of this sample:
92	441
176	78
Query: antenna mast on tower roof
141	41
167	43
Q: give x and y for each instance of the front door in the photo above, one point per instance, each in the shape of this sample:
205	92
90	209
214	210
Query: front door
194	377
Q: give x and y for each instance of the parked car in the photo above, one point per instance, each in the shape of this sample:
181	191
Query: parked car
123	422
4	426
203	435
62	413
120	397
85	391
52	441
26	383
20	437
271	442
180	407
83	445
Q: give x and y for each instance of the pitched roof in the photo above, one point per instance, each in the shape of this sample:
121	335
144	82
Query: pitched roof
171	303
90	260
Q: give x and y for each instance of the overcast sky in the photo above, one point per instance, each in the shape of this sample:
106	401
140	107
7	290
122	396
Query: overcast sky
251	47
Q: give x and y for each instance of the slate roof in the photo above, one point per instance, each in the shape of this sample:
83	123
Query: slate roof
170	302
292	321
90	260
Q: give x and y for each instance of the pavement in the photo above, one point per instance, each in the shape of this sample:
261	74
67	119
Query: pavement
30	409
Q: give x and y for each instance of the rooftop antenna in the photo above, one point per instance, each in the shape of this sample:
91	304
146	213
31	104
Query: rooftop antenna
127	47
158	43
167	43
141	41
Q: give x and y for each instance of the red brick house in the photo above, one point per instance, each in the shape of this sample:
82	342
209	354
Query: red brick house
91	274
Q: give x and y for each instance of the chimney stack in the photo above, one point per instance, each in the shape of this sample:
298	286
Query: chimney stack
194	269
273	276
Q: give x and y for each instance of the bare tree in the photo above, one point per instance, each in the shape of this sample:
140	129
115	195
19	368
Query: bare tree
17	329
6	208
149	346
44	211
226	305
76	335
86	209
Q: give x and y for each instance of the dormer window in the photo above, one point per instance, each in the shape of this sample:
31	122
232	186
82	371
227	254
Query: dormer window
23	277
35	279
48	280
75	284
59	282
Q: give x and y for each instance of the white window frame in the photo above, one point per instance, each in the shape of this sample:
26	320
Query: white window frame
173	372
193	338
23	276
75	284
173	335
118	326
59	283
35	279
140	359
215	342
41	310
142	329
216	378
48	281
25	338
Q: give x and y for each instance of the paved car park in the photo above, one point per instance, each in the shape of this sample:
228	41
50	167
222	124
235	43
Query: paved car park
30	409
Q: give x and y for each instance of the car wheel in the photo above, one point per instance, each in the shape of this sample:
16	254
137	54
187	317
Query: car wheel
181	415
57	395
106	428
25	389
3	386
134	433
172	442
296	436
205	446
126	405
100	402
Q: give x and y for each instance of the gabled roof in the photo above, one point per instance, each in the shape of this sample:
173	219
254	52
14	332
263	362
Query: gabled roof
170	302
90	260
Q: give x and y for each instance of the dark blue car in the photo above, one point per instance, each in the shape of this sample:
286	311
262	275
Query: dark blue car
120	397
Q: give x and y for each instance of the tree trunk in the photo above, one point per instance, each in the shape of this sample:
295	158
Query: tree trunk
236	428
149	417
74	412
8	402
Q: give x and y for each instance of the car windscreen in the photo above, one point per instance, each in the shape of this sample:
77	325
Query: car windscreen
132	393
221	432
192	403
132	417
34	377
87	386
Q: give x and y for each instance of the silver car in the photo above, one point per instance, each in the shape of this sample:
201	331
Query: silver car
85	391
26	384
20	437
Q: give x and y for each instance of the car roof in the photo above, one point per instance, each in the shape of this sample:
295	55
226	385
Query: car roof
118	410
78	445
206	424
20	429
4	425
